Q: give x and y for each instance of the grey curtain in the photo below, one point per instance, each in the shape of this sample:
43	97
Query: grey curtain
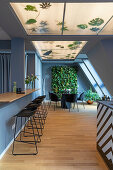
5	72
30	64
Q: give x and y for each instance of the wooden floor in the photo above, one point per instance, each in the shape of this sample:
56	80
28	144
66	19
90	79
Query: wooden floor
68	143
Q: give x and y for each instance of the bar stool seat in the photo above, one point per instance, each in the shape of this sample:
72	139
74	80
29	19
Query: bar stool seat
25	113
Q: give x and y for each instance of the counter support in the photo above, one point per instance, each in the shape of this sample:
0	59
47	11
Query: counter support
16	102
105	131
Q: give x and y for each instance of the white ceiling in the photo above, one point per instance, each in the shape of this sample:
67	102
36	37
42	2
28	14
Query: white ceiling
65	18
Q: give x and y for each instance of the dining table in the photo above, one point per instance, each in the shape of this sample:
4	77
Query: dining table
64	104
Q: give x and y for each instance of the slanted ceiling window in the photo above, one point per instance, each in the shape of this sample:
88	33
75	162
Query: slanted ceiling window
94	78
65	18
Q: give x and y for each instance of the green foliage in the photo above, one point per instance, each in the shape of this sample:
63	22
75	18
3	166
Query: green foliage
27	80
82	26
90	95
33	77
65	28
43	23
59	23
30	79
63	77
45	5
74	45
94	29
70	56
30	8
60	46
31	21
96	22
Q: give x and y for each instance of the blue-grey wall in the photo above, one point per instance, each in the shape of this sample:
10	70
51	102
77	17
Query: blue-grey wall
5	45
18	62
101	57
83	82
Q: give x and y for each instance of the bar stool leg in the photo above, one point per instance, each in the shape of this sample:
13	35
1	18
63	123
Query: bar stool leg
38	135
20	129
14	136
25	125
34	136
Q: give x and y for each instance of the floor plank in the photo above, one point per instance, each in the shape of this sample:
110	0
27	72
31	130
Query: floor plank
68	143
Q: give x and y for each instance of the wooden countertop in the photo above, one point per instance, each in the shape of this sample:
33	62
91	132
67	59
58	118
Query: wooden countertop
10	96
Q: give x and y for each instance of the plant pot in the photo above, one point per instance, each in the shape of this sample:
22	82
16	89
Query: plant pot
90	101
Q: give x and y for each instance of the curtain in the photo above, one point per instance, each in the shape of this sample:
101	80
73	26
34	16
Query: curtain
26	65
30	64
5	72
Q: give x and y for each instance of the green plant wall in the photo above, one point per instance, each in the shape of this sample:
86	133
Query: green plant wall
64	77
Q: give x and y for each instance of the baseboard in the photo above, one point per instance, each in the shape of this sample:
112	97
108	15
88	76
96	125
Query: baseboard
2	154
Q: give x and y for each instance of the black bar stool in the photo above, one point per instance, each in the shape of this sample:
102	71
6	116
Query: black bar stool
40	100
28	115
37	118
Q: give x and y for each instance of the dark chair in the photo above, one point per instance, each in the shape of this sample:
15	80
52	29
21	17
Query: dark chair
53	98
71	98
81	98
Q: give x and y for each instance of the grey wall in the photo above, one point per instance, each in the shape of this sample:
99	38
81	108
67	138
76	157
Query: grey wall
101	57
18	62
34	66
5	45
83	82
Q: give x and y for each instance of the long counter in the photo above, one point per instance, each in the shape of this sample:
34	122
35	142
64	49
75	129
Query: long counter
105	131
10	105
10	96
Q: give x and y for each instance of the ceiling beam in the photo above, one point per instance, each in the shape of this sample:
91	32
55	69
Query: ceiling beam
63	17
61	1
67	37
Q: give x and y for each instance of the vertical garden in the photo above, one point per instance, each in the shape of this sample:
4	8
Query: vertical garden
64	78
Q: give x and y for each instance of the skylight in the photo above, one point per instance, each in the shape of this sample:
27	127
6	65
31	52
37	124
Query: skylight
37	18
59	49
67	19
94	78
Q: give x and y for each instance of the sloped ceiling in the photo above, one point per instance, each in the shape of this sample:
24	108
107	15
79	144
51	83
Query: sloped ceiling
4	35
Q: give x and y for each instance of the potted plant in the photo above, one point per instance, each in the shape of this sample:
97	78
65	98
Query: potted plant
27	81
91	96
30	81
33	78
